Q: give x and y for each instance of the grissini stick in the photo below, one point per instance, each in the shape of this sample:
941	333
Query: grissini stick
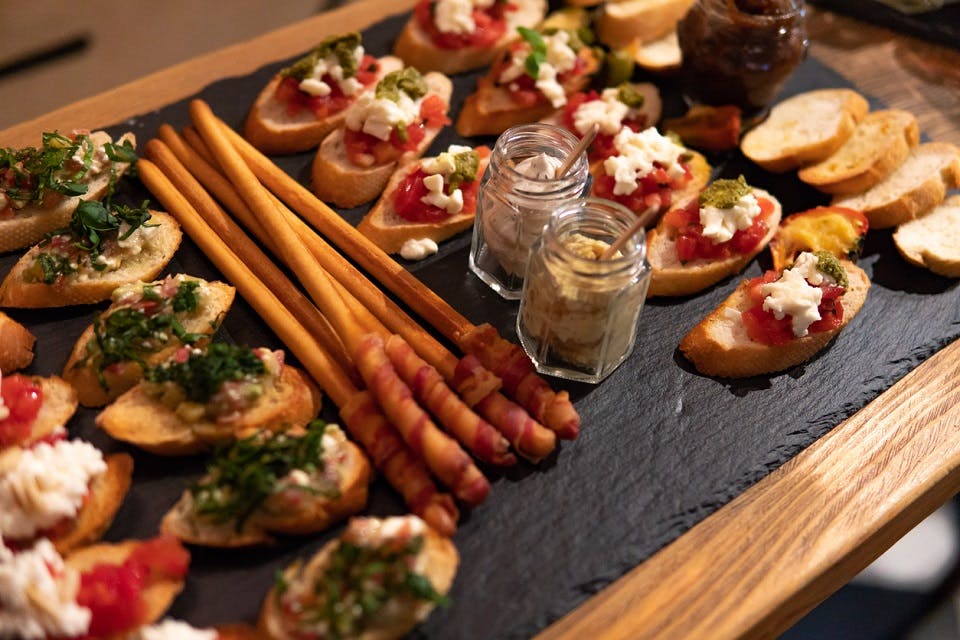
363	419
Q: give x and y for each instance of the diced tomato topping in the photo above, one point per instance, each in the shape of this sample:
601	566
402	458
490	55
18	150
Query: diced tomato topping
692	245
764	328
602	146
654	190
289	93
410	206
365	150
490	26
23	398
523	90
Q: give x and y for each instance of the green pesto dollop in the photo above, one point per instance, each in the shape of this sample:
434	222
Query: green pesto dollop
467	164
407	80
628	95
342	47
724	194
828	264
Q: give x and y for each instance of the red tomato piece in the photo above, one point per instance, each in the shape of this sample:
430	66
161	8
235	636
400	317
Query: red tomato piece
23	399
112	593
490	26
289	93
409	205
162	557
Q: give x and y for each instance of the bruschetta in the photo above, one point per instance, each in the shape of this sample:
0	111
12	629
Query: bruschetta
427	202
387	575
532	79
385	128
145	325
933	241
711	238
102	248
297	481
33	408
16	344
307	100
41	186
64	490
202	398
647	171
453	36
778	320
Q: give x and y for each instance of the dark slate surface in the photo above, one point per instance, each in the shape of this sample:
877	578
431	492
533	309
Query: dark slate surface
662	447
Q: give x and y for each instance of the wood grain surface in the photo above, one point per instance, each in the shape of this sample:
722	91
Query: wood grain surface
758	564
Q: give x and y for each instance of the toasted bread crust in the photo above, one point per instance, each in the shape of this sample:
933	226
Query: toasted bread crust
138	419
106	495
933	241
335	179
15	292
16	344
719	345
272	131
671	278
619	24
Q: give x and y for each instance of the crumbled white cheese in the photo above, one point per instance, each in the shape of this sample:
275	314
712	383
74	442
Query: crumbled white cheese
378	116
108	263
98	160
374	532
38	595
134	244
44	484
719	225
444	163
174	630
806	264
560	58
418	249
637	152
539	167
315	85
607	112
436	196
456	16
793	296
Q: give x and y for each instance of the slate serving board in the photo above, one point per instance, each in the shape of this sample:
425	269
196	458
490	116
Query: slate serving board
661	447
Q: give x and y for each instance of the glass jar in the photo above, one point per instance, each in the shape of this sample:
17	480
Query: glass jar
741	52
579	314
514	205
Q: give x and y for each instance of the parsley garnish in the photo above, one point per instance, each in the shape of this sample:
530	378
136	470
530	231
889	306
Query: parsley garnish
52	266
538	51
202	375
92	221
185	299
35	171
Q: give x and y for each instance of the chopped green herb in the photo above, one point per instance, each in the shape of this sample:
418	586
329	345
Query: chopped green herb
407	80
202	375
185	299
52	266
538	51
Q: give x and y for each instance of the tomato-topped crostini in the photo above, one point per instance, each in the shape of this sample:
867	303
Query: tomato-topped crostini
427	202
33	408
635	106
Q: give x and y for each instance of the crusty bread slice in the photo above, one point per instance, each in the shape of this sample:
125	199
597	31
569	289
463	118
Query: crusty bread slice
144	422
933	241
213	306
918	185
719	344
389	231
59	403
659	56
670	277
32	223
335	179
16	344
146	265
415	47
619	24
438	558
272	130
107	492
310	513
880	143
805	128
490	110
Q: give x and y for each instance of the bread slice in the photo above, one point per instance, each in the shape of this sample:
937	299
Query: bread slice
804	129
30	224
619	24
389	231
307	513
214	301
415	47
880	143
272	130
59	403
16	344
490	110
933	241
335	179
918	185
436	561
670	277
719	345
660	56
137	418
89	286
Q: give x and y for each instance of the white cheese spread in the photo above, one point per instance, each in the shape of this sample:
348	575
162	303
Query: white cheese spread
174	630
418	249
456	16
44	484
719	225
38	595
98	160
539	167
314	84
379	116
560	58
637	153
792	295
608	113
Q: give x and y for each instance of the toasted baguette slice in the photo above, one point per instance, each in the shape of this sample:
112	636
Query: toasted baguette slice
139	419
415	47
88	285
82	368
30	224
272	130
58	404
619	24
490	110
719	345
16	344
335	179
301	514
389	231
106	495
670	277
436	561
805	128
913	189
880	143
660	56
933	241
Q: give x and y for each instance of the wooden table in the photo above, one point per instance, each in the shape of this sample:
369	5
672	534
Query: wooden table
758	564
